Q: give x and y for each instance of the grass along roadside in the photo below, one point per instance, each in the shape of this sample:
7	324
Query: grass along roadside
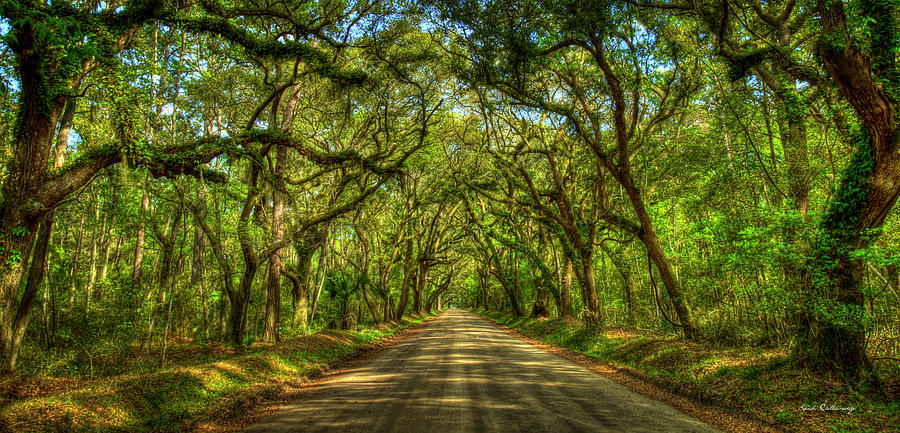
761	383
180	398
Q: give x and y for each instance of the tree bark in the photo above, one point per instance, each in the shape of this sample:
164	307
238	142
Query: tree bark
593	315
831	330
35	276
96	239
409	274
198	268
273	292
320	273
421	280
305	247
565	303
111	219
139	242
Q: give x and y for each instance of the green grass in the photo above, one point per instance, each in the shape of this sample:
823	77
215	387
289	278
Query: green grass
761	382
178	398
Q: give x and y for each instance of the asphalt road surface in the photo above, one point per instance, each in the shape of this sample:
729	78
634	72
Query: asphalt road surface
461	374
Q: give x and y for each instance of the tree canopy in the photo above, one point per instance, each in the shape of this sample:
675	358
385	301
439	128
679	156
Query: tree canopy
725	171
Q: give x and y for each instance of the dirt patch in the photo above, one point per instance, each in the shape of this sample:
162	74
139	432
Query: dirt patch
723	418
14	387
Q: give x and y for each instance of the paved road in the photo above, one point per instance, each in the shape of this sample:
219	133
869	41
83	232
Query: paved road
462	374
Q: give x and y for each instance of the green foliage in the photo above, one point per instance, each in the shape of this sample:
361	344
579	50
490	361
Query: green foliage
882	27
844	209
485	145
762	382
20	231
177	398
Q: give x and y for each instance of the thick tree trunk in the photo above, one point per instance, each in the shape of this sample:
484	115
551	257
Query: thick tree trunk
300	298
593	316
22	207
831	332
273	292
240	299
409	274
541	303
240	307
832	326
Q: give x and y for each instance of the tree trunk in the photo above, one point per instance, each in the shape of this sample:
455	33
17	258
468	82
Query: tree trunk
300	299
656	253
421	280
111	219
831	332
96	238
167	240
507	285
593	315
240	306
240	299
73	274
386	298
35	276
139	242
617	256
21	209
565	297
273	292
198	267
409	274
320	274
373	309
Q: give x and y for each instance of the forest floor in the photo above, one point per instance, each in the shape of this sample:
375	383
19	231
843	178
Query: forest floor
741	389
205	390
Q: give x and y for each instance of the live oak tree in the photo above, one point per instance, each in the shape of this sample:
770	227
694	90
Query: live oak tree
349	163
594	43
862	62
857	57
59	47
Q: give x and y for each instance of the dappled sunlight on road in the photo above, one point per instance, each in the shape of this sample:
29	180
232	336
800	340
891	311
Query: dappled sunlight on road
462	374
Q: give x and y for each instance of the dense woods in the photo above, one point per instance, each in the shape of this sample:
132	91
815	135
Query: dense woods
242	171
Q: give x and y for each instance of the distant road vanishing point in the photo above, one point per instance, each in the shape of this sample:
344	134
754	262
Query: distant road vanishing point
462	374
